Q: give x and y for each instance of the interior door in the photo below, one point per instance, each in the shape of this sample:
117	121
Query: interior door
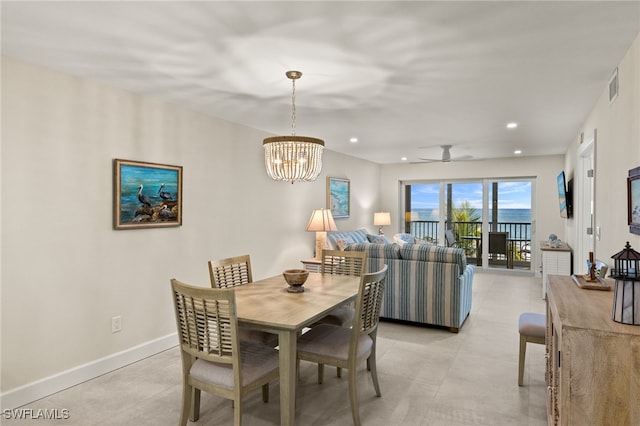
585	213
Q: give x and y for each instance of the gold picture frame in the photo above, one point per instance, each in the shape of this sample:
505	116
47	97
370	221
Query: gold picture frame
146	195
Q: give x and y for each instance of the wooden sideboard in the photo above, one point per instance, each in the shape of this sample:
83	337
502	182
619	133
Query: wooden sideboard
593	363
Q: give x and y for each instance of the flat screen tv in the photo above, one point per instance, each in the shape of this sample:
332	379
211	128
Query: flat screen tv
564	196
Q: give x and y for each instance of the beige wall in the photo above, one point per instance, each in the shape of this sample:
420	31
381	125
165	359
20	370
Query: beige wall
617	151
544	170
66	272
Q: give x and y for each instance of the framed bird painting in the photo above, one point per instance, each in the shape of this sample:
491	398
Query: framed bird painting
146	195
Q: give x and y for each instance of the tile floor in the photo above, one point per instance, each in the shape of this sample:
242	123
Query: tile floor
428	377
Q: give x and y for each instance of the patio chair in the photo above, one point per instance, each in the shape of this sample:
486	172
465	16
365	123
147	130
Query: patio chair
499	244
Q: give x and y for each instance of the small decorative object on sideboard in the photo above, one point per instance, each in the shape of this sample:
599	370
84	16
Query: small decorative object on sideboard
594	278
295	278
626	295
590	276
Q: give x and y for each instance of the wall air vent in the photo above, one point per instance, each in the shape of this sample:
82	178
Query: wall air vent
613	86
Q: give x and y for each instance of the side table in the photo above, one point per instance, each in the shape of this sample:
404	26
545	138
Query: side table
312	265
555	261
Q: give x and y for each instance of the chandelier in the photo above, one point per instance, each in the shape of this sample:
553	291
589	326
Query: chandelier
293	158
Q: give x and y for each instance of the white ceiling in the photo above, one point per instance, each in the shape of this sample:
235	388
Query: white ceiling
402	77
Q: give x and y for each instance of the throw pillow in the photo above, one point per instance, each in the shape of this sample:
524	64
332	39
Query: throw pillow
402	239
342	242
380	239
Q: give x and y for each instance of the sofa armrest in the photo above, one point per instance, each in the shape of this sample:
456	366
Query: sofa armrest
466	292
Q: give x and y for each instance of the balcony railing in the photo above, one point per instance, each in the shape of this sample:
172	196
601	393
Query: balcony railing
469	234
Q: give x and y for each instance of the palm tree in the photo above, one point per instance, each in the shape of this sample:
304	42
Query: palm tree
465	213
461	216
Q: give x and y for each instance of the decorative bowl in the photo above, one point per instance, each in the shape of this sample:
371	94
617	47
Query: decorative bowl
295	278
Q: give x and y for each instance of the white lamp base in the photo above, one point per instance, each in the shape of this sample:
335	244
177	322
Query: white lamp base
321	238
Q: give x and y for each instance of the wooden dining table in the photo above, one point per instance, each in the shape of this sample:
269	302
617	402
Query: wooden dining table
267	305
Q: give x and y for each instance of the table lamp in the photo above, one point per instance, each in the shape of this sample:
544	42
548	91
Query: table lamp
321	221
381	219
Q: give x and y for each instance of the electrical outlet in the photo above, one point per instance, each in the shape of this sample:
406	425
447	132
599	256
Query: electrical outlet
116	324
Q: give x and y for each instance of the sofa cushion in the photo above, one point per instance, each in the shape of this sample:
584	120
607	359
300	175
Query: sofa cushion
434	253
357	236
376	250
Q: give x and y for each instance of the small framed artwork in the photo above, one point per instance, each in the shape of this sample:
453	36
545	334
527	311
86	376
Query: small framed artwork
146	195
338	193
633	200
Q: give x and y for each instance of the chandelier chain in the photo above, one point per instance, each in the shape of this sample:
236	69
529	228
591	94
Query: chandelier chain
293	108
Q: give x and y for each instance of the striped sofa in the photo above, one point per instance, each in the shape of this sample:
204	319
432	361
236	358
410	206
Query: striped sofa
426	283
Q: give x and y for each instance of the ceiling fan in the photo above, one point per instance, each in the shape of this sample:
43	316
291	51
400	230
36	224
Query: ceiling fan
446	156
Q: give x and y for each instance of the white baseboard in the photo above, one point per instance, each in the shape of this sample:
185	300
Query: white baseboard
33	391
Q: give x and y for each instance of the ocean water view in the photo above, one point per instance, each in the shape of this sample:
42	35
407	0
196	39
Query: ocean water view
504	215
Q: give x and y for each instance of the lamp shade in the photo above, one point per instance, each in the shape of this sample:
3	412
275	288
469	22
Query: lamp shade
382	218
321	220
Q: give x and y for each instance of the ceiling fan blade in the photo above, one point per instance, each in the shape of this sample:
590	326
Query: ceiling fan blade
450	160
463	158
446	156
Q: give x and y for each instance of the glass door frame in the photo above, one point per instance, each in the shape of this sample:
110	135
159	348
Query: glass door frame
486	203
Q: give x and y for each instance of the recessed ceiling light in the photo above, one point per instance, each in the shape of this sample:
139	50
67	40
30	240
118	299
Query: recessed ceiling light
517	152
403	159
353	140
512	125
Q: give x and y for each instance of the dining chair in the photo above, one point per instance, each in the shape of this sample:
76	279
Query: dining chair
337	262
230	272
343	347
214	359
235	271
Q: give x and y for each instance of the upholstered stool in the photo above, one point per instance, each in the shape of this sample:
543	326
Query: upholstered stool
532	328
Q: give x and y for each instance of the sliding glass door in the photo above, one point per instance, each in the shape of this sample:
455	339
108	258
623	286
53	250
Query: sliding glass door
510	219
464	218
490	219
